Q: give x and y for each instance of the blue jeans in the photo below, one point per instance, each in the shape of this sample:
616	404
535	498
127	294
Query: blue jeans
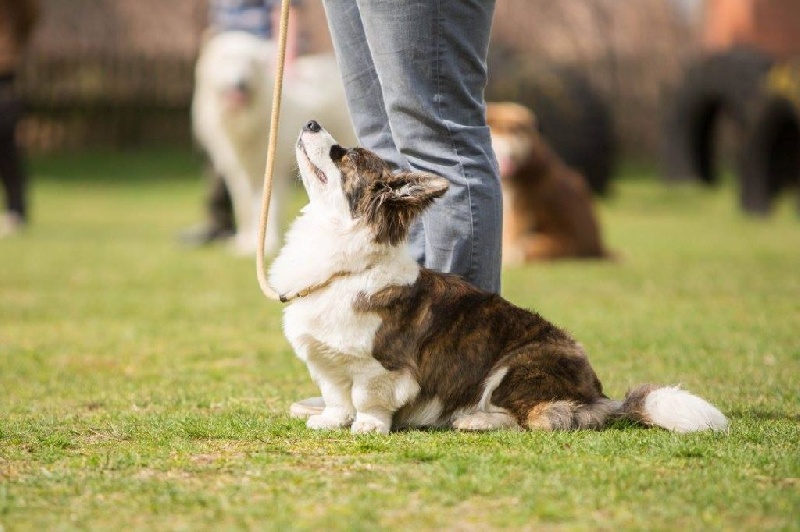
415	72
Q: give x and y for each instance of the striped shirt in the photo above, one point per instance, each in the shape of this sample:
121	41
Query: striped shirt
252	16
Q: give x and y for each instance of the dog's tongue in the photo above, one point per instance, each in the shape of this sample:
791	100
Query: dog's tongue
237	98
505	165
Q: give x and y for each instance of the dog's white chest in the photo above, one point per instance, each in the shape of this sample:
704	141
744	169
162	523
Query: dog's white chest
328	322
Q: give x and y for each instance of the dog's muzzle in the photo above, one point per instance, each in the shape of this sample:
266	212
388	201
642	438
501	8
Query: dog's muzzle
238	97
314	168
312	126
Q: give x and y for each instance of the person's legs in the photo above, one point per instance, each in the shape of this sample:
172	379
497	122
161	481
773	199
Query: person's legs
430	59
364	95
363	90
12	169
220	206
220	223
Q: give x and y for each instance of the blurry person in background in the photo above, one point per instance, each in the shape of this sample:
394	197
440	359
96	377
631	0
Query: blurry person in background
260	18
17	19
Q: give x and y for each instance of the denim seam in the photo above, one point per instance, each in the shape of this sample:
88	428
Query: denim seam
438	76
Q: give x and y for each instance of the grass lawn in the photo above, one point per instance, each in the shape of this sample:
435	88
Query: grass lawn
145	386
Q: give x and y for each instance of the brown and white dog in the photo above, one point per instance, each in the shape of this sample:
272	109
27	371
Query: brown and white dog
547	206
393	345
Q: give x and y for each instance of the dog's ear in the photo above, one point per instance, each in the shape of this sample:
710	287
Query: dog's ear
394	203
416	188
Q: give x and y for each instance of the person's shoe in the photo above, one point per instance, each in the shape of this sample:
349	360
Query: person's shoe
203	235
11	223
307	408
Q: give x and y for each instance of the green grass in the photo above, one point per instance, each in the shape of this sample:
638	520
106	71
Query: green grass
145	386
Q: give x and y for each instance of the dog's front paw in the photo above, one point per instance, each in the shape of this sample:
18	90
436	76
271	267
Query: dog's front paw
244	244
328	422
362	427
369	423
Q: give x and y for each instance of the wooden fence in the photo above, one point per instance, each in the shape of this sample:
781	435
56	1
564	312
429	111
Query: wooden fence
114	100
122	75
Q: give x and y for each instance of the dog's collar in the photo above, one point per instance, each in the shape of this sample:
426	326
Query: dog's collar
291	296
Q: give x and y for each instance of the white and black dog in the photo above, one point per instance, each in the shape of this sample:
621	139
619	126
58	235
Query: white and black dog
394	345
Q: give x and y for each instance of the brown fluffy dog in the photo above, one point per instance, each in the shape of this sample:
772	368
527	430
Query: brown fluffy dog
548	211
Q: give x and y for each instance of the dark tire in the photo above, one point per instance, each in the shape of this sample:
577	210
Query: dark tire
723	83
572	115
770	158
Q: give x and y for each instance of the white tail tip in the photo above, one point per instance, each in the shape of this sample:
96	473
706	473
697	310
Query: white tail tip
678	410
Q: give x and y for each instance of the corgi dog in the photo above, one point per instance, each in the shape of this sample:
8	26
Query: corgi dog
393	345
547	206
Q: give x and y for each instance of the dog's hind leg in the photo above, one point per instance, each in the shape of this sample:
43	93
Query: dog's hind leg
569	415
378	394
478	421
486	416
552	386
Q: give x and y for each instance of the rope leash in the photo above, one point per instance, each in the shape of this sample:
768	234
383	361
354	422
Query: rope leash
269	172
271	148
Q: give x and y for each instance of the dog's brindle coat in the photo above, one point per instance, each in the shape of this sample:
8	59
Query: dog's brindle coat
451	336
470	353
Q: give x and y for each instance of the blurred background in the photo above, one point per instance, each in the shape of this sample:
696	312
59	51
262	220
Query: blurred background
610	80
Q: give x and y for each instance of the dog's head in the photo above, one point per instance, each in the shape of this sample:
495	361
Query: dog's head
515	135
357	186
236	66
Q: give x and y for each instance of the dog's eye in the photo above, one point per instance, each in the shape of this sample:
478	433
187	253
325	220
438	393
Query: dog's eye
337	152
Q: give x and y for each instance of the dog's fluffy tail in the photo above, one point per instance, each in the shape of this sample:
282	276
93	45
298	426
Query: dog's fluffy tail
668	407
671	408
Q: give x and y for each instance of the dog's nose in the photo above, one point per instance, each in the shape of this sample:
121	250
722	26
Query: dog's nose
312	126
